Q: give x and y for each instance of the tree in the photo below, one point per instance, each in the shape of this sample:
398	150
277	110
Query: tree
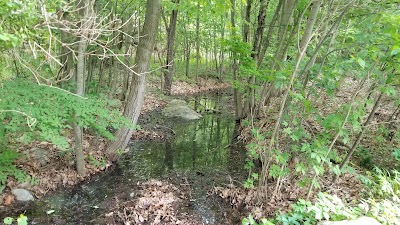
138	83
169	64
85	13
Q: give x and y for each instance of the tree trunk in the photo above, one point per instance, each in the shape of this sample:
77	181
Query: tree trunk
360	135
258	34
114	79
80	83
136	94
170	70
197	41
246	23
237	96
66	58
221	51
187	47
267	39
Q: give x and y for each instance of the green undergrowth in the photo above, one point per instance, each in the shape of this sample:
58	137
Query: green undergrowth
8	169
32	112
381	201
45	113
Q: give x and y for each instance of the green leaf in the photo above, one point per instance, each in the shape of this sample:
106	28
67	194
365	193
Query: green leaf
8	220
22	220
361	62
395	51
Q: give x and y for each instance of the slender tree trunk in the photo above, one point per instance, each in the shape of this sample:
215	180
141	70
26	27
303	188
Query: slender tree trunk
170	70
237	96
187	47
114	79
360	135
215	47
136	94
267	39
221	51
246	23
80	82
330	32
187	59
197	41
258	36
100	84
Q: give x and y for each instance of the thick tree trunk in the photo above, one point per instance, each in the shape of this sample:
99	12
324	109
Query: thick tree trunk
136	94
170	70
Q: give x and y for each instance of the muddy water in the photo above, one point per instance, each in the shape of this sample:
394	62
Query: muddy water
202	151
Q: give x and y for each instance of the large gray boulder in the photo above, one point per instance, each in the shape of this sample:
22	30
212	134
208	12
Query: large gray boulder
179	109
22	195
360	221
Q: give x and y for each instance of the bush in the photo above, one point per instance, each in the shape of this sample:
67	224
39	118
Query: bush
35	112
7	169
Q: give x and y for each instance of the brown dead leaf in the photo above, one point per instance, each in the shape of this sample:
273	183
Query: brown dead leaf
8	200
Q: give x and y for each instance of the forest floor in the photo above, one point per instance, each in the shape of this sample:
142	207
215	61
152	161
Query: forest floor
348	187
57	169
167	200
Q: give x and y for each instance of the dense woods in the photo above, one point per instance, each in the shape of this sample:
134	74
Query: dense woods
315	90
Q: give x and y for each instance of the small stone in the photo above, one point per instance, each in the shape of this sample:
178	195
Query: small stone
22	195
132	194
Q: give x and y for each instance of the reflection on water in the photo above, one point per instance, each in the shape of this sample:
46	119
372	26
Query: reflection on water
201	146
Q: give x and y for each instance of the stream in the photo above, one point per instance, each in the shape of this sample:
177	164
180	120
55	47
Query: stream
203	151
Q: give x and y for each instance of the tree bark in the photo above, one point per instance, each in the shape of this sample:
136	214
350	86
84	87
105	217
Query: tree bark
136	94
246	23
237	96
197	41
258	36
170	70
85	7
267	39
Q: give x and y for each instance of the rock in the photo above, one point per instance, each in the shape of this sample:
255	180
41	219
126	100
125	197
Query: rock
40	155
22	195
115	103
179	109
360	221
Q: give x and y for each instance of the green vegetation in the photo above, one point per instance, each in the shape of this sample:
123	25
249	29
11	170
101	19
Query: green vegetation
315	82
381	202
21	220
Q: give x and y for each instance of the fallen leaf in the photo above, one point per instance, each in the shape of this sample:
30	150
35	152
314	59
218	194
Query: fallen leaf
9	199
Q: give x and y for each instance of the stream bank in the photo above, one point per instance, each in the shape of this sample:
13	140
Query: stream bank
175	173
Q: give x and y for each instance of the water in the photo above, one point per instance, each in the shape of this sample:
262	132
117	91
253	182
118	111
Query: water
200	150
